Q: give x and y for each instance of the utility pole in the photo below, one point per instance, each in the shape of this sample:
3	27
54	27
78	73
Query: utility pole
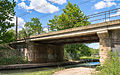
16	28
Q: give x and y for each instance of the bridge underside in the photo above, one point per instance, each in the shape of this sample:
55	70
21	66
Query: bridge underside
77	39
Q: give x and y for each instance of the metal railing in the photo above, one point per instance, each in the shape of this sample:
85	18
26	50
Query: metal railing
105	16
102	16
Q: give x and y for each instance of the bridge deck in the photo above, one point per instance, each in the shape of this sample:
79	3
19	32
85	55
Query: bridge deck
85	34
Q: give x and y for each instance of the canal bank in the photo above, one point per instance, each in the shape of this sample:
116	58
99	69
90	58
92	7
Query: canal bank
42	65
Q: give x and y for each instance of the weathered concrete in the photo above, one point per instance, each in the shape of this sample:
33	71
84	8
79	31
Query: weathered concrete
109	41
41	53
105	45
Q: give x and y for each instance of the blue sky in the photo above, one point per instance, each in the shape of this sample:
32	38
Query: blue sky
46	9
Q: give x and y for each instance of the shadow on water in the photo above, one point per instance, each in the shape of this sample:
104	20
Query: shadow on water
23	71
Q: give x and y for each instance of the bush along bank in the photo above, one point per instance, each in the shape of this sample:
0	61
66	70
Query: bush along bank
111	66
10	56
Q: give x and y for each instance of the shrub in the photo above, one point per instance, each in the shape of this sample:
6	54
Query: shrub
111	66
10	56
98	68
75	51
12	60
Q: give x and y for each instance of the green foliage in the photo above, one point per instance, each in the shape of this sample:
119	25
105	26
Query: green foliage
75	51
31	28
10	56
98	68
6	15
12	60
94	51
9	36
35	71
88	57
111	66
71	17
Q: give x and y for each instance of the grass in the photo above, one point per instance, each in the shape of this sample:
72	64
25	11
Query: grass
111	65
39	71
48	72
88	57
10	56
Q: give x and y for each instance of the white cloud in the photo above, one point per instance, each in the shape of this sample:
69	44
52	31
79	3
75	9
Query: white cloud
109	0
93	45
46	30
109	4
16	0
58	1
100	5
23	0
104	4
41	6
117	14
23	5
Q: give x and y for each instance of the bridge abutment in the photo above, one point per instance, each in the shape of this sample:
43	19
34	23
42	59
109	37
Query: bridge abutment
43	53
109	41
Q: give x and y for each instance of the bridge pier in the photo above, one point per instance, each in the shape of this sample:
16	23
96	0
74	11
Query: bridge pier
109	41
43	53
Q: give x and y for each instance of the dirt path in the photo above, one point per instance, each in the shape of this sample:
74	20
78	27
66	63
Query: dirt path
76	71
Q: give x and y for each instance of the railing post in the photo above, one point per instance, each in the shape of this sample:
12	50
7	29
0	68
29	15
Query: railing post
109	15
105	16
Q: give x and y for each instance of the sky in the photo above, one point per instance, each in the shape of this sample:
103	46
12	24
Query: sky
46	9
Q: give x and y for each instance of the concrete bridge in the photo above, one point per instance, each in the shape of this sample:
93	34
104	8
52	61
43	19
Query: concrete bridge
49	47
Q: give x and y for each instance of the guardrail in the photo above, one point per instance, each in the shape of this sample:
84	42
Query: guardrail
104	16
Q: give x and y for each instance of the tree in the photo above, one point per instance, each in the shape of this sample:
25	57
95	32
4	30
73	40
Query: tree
31	28
6	15
35	25
75	51
71	17
9	36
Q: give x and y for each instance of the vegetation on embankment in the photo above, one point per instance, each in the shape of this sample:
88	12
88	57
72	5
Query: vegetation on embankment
80	51
45	72
36	71
89	57
111	66
10	56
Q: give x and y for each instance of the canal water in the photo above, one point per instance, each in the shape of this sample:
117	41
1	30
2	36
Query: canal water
38	70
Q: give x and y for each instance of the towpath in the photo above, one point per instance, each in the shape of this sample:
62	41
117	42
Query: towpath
76	71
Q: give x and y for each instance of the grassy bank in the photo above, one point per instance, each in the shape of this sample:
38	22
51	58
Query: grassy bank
111	65
38	71
89	57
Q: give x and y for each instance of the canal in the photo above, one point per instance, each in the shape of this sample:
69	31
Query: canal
46	70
